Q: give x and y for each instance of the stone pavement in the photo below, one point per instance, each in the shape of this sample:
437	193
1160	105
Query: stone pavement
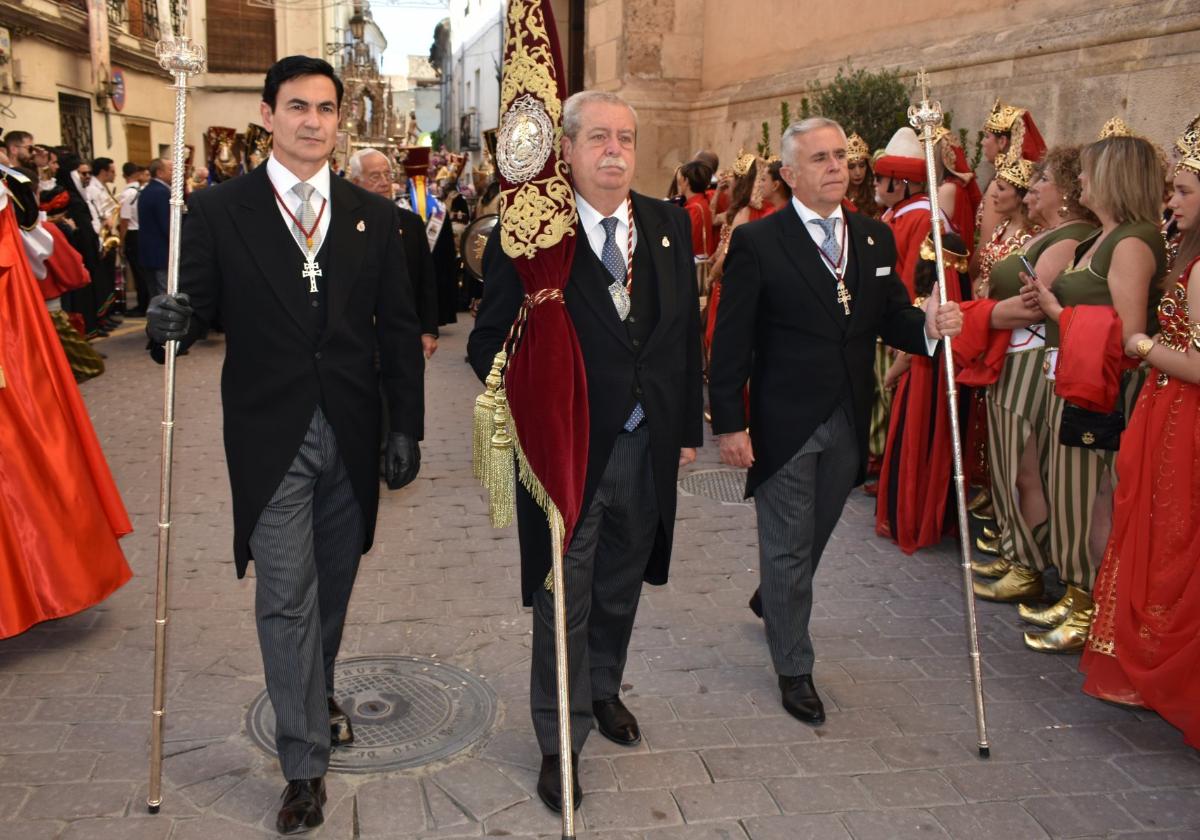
719	760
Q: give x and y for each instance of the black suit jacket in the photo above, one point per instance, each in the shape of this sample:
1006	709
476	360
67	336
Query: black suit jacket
667	368
421	274
780	328
154	222
278	369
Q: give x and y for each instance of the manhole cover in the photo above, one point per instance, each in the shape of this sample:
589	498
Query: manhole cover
727	486
406	712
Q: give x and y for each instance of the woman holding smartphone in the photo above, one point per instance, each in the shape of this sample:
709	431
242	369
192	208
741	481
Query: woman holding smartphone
1117	266
1018	438
1144	647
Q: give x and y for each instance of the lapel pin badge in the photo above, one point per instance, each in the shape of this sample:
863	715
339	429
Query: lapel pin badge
666	242
870	241
361	226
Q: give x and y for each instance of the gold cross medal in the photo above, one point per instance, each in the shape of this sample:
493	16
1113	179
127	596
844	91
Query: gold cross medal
843	296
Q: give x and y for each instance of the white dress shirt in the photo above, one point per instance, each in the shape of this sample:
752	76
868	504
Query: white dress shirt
283	180
589	220
807	215
129	199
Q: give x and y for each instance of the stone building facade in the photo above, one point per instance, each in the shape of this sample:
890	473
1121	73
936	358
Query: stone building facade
707	73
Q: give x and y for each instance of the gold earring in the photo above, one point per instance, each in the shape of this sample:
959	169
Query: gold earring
1065	210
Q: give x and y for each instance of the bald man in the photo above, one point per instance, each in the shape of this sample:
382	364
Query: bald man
371	170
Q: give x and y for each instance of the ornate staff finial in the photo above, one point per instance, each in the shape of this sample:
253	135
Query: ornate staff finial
925	116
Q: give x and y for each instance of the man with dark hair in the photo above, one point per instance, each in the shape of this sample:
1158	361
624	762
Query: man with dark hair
154	222
18	145
307	274
136	177
99	195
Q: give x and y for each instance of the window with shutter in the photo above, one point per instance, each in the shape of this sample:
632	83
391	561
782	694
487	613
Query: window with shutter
241	37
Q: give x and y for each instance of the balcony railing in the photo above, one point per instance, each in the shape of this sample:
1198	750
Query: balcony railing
118	13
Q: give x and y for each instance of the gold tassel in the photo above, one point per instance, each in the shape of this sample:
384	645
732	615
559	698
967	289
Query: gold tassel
485	407
500	477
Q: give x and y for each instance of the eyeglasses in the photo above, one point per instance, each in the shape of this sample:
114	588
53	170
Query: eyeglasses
379	178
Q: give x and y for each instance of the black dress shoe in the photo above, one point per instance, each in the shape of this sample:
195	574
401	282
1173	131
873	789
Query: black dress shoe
756	603
800	698
302	803
341	733
549	786
615	722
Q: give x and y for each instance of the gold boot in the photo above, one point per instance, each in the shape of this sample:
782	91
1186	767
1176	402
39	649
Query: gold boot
987	546
994	569
1056	613
981	499
985	513
990	534
1071	635
1019	584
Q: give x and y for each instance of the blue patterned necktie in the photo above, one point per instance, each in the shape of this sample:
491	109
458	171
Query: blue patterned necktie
614	263
830	246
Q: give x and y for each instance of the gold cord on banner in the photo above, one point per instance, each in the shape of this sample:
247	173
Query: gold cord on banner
494	441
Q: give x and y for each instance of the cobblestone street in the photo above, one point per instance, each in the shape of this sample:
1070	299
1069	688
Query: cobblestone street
720	760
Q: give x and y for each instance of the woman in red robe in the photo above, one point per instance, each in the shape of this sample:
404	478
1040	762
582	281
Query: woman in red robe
1144	644
60	513
692	180
914	482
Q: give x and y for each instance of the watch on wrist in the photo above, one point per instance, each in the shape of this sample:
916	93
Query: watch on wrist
1144	346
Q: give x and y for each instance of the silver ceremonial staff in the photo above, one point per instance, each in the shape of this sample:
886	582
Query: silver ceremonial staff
182	59
926	117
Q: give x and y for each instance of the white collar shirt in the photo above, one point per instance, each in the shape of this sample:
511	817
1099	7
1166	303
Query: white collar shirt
283	179
129	199
589	220
807	218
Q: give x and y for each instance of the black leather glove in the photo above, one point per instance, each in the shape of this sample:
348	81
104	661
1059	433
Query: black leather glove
168	318
402	461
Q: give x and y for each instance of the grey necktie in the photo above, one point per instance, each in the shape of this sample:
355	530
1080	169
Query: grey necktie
830	246
307	217
615	264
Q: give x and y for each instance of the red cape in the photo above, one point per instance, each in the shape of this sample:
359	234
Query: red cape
61	513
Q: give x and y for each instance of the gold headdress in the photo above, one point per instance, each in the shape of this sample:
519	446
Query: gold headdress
1189	155
1019	173
743	163
1003	117
1116	127
856	149
1190	139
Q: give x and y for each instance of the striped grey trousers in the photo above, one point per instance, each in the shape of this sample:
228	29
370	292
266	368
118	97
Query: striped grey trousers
602	578
306	547
797	508
1016	409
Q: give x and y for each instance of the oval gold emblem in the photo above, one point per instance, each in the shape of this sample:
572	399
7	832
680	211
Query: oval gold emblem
1088	438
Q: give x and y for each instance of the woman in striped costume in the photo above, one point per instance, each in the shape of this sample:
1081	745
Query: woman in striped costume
1018	438
1117	266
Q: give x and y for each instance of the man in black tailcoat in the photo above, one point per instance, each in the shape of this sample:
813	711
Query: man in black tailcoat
805	293
307	274
645	409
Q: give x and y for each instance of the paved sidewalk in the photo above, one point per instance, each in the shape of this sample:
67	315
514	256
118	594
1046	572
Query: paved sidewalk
719	760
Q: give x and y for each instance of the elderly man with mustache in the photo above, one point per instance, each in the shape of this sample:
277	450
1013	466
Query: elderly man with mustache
632	298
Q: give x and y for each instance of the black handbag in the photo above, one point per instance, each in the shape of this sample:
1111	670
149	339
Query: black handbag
1091	429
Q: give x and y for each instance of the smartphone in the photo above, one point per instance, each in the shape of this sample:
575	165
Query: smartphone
1028	268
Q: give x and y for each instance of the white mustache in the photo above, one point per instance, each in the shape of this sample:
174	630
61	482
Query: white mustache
613	161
